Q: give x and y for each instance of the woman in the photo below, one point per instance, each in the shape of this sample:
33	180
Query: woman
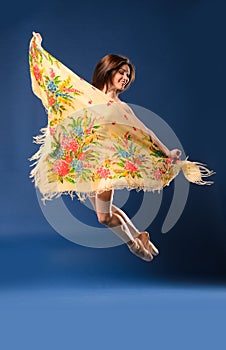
113	75
96	150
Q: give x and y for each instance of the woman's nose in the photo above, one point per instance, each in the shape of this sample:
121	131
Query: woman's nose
125	77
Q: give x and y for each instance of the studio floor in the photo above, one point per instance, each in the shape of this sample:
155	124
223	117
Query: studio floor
133	317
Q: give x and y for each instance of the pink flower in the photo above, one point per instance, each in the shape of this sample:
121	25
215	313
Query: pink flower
71	90
131	166
81	156
61	168
157	174
168	160
69	144
68	159
110	102
52	74
138	161
102	172
37	73
113	149
52	130
125	116
88	131
51	101
33	54
87	165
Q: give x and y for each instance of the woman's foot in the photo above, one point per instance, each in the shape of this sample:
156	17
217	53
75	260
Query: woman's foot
137	248
145	239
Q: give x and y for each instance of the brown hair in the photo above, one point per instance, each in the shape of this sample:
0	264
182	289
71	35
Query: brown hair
106	69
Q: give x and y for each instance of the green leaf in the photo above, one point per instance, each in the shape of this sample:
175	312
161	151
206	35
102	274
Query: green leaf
57	79
70	180
50	58
139	175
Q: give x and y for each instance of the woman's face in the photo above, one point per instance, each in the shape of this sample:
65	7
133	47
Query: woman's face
121	78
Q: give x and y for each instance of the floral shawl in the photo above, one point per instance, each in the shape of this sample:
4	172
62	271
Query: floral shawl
92	143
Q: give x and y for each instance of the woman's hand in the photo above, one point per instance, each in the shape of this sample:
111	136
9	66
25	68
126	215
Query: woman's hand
38	37
175	154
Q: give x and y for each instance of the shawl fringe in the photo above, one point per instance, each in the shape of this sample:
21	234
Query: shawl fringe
196	171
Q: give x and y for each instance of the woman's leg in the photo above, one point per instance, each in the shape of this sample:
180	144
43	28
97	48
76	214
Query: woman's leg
116	222
103	207
143	236
133	230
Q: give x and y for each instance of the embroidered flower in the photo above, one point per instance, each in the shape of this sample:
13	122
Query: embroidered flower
37	73
131	166
52	74
81	156
157	174
77	165
87	165
33	54
123	153
68	159
168	161
138	161
57	154
52	130
51	101
88	131
52	86
109	102
78	130
69	144
71	90
102	172
61	168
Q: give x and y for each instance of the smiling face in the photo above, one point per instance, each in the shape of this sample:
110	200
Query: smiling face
121	78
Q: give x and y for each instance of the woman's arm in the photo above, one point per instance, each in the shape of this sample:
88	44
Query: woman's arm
175	153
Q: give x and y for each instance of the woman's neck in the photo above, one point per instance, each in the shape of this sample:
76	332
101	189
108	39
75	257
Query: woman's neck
113	94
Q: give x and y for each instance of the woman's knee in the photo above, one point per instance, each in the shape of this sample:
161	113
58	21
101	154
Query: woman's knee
104	218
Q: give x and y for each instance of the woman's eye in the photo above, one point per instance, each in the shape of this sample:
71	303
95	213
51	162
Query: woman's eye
121	72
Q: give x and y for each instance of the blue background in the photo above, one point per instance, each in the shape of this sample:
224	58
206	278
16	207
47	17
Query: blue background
49	284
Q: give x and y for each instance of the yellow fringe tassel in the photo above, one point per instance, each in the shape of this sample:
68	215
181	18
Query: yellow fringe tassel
195	171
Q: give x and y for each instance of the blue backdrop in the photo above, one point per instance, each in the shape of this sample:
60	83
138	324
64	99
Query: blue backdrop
178	50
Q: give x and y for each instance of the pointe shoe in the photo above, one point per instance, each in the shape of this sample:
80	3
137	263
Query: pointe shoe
145	239
138	249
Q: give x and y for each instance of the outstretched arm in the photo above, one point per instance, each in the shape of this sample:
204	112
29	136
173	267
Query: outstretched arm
175	153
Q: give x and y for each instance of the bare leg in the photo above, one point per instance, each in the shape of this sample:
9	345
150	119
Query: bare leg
102	204
115	222
133	230
143	236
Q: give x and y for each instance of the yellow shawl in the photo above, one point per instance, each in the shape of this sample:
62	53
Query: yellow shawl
92	143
